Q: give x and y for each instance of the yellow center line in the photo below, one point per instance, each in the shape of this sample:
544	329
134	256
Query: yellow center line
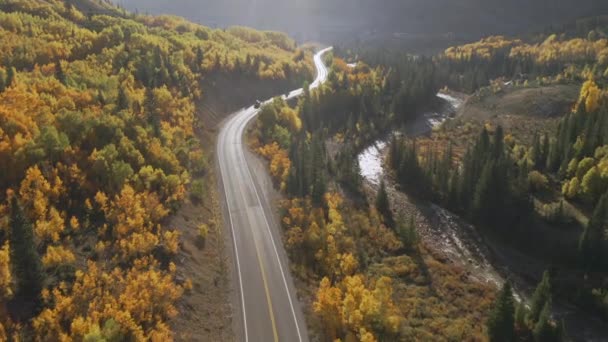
270	311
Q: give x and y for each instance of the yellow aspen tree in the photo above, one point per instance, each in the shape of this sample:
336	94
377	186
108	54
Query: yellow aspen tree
366	336
5	273
590	94
32	192
348	264
327	308
57	255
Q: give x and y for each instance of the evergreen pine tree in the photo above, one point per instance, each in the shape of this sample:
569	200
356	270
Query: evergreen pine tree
536	152
502	318
59	74
122	101
552	156
544	152
200	57
560	331
544	331
453	199
520	317
592	241
318	168
443	172
499	143
25	260
2	81
542	295
407	232
151	110
305	169
319	187
483	208
467	182
292	187
101	98
10	76
383	205
393	153
482	145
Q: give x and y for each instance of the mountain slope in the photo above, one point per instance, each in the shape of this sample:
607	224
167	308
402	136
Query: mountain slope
317	19
101	145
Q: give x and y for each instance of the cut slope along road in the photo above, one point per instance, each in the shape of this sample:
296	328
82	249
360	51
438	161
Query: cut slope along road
268	308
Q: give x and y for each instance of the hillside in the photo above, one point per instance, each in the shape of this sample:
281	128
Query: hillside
329	20
548	101
521	111
108	213
524	161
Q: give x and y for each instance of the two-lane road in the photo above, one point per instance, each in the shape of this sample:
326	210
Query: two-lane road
269	307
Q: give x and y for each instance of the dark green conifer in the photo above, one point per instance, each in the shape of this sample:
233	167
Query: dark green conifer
122	101
383	205
59	74
25	260
592	243
542	295
501	323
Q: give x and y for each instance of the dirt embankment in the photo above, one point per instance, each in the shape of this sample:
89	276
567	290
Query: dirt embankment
521	112
542	102
204	311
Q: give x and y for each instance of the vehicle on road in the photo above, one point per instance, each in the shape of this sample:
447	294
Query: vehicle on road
257	104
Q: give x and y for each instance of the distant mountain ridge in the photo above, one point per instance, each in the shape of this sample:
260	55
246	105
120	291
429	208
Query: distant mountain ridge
310	19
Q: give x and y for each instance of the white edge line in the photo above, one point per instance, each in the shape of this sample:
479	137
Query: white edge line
293	312
318	82
315	84
236	250
242	127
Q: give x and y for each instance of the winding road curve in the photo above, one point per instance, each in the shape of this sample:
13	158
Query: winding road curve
269	307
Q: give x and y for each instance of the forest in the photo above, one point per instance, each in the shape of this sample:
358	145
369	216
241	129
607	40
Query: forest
99	147
369	276
101	144
531	192
338	238
559	57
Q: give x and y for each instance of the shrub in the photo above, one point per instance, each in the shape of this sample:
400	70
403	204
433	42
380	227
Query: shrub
203	231
197	192
198	163
537	181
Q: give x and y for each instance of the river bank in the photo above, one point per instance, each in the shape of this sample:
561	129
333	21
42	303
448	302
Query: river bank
486	260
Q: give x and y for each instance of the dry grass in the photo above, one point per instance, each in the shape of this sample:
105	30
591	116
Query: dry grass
521	112
437	297
205	312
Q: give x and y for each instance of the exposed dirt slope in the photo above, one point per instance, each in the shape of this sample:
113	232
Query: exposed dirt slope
542	102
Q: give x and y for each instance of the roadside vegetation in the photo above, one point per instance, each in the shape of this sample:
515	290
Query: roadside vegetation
99	147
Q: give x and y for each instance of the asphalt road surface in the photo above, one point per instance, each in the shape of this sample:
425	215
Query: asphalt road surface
269	307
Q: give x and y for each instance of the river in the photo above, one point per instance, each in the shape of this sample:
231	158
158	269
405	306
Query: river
459	241
370	159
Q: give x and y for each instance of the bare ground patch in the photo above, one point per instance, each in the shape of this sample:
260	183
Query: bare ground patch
205	310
